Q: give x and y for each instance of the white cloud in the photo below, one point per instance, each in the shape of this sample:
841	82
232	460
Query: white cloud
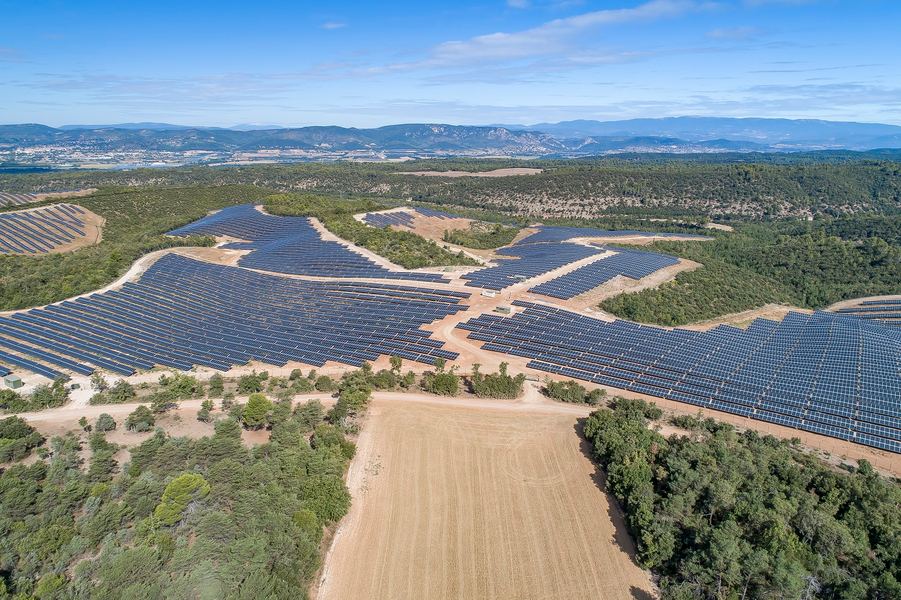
333	25
557	39
518	3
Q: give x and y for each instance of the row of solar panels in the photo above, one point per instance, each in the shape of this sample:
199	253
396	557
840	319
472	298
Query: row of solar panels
184	312
41	230
635	264
386	219
895	308
11	199
291	245
534	260
824	373
561	234
16	199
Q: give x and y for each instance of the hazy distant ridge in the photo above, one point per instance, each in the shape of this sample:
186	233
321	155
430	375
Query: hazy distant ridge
573	138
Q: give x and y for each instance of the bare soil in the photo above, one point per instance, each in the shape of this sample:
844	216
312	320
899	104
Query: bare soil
773	312
59	195
456	502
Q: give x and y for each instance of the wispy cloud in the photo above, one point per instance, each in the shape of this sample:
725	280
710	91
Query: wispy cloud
333	25
763	2
561	40
557	35
11	55
735	33
220	90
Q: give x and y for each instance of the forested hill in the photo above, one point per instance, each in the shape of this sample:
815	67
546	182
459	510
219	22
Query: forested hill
748	187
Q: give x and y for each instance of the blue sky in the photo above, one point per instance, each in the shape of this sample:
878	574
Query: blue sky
368	64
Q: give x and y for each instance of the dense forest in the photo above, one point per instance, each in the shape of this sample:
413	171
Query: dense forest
183	518
722	187
718	514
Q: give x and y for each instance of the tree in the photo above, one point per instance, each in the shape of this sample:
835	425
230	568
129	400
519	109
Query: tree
256	411
309	414
396	364
105	423
217	385
140	419
203	415
324	383
83	423
122	392
326	496
179	495
250	384
98	381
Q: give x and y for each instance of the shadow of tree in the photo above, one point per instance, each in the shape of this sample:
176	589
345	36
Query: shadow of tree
621	534
640	594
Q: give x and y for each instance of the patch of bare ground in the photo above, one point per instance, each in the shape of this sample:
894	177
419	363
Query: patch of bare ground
455	502
56	195
719	226
773	312
855	302
494	173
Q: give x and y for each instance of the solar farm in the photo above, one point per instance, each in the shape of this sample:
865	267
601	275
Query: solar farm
41	230
184	312
827	374
16	199
403	218
527	262
832	374
291	245
635	264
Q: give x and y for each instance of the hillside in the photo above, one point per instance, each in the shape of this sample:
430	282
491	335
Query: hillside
746	186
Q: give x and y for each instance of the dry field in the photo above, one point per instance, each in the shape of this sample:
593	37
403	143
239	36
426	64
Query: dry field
459	502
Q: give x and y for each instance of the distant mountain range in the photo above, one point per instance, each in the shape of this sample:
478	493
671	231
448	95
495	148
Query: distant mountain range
570	138
772	133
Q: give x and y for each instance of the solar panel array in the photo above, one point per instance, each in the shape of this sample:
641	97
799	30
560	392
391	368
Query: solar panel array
561	234
386	219
16	199
184	312
39	231
635	264
823	373
291	245
534	260
887	312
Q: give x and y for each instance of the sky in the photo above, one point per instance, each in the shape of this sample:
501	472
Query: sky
368	64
